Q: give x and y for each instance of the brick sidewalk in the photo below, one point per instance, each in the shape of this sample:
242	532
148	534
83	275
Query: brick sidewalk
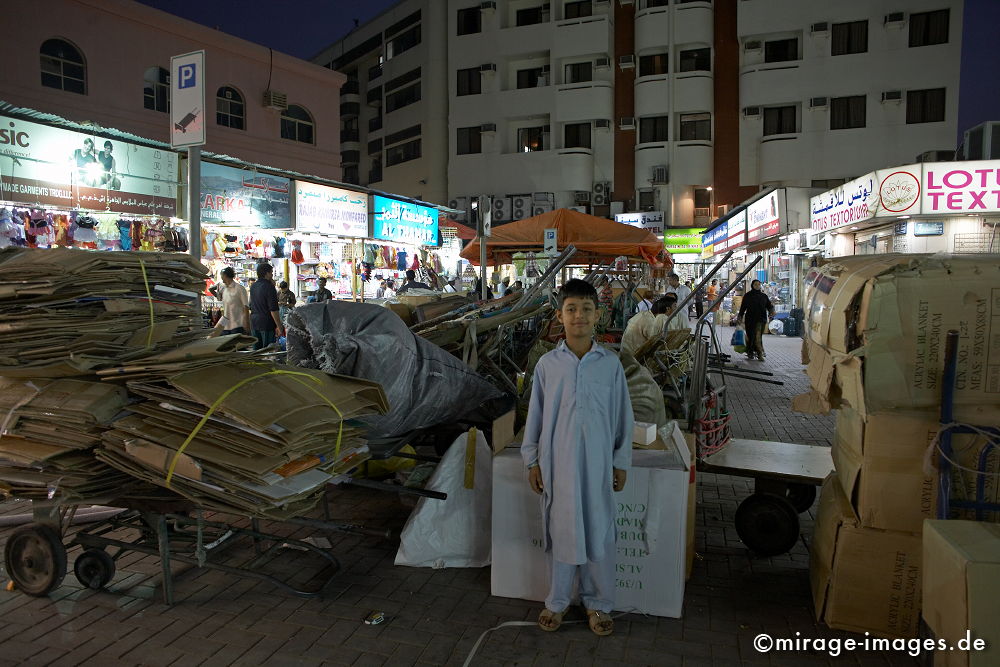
437	615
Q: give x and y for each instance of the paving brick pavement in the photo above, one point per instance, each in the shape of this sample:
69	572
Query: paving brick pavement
436	616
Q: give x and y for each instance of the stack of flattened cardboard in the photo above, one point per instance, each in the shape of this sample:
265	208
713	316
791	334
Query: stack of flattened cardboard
248	438
68	312
48	432
875	341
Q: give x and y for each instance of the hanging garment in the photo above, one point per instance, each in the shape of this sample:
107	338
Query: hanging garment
8	230
86	230
279	247
415	266
401	260
297	257
208	245
40	227
125	234
107	227
231	250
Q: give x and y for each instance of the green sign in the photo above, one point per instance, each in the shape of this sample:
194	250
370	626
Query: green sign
686	240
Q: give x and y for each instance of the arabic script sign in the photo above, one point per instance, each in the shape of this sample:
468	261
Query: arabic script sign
849	204
319	208
244	198
680	241
51	166
715	241
764	216
651	220
737	231
403	222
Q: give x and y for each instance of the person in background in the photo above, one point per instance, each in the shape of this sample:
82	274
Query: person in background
699	302
578	450
449	287
412	282
682	292
477	290
517	287
503	287
666	306
286	300
322	293
755	311
645	303
264	318
390	290
235	313
380	292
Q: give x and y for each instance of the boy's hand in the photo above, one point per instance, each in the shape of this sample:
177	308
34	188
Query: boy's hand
535	479
619	478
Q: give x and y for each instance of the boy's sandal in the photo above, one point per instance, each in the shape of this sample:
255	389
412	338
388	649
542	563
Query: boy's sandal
550	620
600	622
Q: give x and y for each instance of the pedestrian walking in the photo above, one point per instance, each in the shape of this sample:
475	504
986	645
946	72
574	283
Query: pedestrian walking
264	317
755	311
322	293
286	300
235	314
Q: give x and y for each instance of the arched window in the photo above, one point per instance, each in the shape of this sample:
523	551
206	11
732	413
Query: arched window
63	67
156	89
229	108
297	124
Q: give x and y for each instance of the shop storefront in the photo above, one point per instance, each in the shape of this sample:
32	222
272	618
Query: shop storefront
765	225
404	236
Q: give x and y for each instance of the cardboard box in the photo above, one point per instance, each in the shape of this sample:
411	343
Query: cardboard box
643	433
863	579
962	588
691	441
502	433
652	522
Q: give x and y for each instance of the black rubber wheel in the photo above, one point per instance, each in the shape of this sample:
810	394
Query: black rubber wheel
801	496
94	568
35	559
767	524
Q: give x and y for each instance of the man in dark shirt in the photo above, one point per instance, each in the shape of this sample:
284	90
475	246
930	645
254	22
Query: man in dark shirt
412	282
322	293
264	319
755	311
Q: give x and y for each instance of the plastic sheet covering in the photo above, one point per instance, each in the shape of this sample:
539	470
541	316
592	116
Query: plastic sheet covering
425	385
455	532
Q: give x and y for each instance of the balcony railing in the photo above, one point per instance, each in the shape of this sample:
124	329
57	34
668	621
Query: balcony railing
350	109
350	87
350	157
348	135
374	72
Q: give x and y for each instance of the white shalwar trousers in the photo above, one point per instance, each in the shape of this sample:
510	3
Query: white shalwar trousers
597	581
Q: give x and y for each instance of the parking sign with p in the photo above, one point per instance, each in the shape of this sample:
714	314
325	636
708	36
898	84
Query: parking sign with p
187	100
186	75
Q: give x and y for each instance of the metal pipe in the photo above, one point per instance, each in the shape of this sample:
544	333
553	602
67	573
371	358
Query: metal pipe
708	277
88	515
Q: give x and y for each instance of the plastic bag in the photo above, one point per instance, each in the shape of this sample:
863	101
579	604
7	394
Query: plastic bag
776	327
739	337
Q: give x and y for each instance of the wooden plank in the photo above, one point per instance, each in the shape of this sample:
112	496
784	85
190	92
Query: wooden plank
786	461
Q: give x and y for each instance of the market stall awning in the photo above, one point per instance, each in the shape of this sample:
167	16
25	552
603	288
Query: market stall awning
591	235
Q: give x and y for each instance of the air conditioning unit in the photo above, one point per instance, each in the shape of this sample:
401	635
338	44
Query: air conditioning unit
626	62
626	123
543	196
822	26
538	208
460	203
602	124
892	96
488	127
602	193
581	197
520	203
894	17
661	174
502	209
751	112
582	209
818	102
546	69
275	100
752	45
722	209
602	63
488	67
487	6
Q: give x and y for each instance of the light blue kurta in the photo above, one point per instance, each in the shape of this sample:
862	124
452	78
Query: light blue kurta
579	426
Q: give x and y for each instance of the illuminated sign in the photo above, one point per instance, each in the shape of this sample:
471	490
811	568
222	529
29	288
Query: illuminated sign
326	210
402	222
244	198
764	216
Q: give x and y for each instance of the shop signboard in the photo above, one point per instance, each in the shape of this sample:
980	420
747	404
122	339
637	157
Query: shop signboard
50	166
849	204
928	229
764	216
961	187
898	191
737	231
714	241
683	241
244	198
651	220
326	210
402	222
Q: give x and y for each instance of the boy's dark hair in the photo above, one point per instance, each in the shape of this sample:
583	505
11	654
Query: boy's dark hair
580	289
411	274
670	298
283	284
322	281
264	270
660	305
229	272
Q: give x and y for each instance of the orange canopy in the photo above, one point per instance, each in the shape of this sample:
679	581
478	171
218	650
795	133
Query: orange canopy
590	235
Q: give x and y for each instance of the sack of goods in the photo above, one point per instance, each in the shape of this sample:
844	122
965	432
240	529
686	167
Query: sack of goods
874	343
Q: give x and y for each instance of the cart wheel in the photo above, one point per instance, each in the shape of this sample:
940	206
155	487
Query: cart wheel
94	568
35	559
801	496
767	524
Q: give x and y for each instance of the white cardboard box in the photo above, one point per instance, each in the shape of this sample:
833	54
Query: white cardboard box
643	433
652	520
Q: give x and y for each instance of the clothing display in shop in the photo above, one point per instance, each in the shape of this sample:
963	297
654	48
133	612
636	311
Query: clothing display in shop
125	234
279	247
297	257
10	232
230	249
401	260
38	229
86	230
61	230
107	227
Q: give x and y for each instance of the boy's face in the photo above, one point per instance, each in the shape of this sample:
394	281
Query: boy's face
578	315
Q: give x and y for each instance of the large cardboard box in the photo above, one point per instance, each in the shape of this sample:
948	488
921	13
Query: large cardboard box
962	589
863	579
652	531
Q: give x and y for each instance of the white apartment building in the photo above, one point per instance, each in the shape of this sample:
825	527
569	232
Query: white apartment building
393	107
831	90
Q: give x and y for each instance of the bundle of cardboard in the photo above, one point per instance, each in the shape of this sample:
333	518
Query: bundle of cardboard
874	346
67	312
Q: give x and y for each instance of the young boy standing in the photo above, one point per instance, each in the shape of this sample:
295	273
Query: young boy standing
578	449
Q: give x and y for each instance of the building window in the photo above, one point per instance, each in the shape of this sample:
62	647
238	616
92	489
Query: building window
657	3
156	89
847	112
375	147
408	133
403	42
577	135
703	199
351	174
849	38
375	172
529	16
653	128
781	50
577	10
696	60
927	28
402	98
63	67
469	21
470	82
779	120
647	200
530	139
229	109
696	127
925	106
470	140
655	63
297	125
528	78
402	153
579	72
